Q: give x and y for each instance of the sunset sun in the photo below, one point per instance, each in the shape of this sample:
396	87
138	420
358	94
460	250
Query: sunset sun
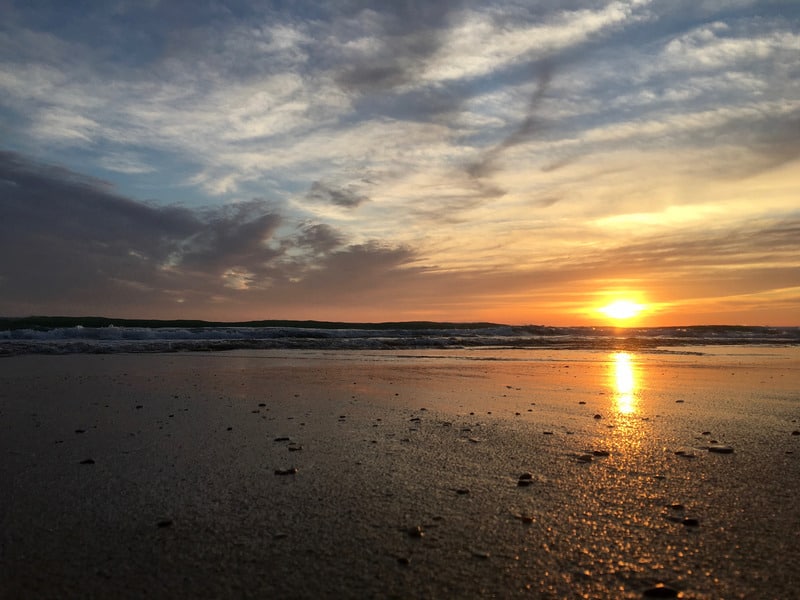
622	310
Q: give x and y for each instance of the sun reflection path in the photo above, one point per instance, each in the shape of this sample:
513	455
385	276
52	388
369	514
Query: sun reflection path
625	383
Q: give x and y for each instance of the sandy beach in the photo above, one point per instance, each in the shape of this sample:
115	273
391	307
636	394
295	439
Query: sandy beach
458	474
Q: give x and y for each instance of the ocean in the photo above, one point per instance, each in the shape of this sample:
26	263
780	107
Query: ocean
17	338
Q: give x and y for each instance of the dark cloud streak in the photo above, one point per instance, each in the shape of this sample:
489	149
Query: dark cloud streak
329	194
487	163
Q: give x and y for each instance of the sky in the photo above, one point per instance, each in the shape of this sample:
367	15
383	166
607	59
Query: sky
521	162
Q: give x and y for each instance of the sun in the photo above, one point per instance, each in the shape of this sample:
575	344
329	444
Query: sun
621	310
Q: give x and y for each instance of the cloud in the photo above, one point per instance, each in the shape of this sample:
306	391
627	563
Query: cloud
232	236
394	42
319	238
126	162
344	197
71	241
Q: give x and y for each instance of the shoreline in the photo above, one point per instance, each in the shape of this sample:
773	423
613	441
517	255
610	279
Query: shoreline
177	504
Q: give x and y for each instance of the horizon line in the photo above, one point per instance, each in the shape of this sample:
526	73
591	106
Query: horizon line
53	321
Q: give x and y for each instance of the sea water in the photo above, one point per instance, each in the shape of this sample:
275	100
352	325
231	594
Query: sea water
115	339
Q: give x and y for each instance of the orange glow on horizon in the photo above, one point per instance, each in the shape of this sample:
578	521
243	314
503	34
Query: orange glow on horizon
622	310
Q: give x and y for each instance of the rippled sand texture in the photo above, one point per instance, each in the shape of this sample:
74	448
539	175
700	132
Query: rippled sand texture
297	475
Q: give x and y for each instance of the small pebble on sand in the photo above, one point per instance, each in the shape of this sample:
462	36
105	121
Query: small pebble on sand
87	461
525	479
526	518
164	523
660	591
416	532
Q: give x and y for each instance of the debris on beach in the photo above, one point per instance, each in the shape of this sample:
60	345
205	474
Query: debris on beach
164	523
289	471
686	453
87	461
720	449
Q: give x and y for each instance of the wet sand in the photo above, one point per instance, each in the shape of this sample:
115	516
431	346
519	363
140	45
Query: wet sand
398	475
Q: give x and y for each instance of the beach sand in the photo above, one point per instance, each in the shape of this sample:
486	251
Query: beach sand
398	475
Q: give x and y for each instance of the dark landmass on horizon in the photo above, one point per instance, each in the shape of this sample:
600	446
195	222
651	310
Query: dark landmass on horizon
44	323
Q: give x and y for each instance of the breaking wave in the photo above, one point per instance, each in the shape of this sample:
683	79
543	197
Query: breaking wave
117	339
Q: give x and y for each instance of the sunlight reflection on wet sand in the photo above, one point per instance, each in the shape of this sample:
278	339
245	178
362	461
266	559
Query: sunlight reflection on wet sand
624	378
